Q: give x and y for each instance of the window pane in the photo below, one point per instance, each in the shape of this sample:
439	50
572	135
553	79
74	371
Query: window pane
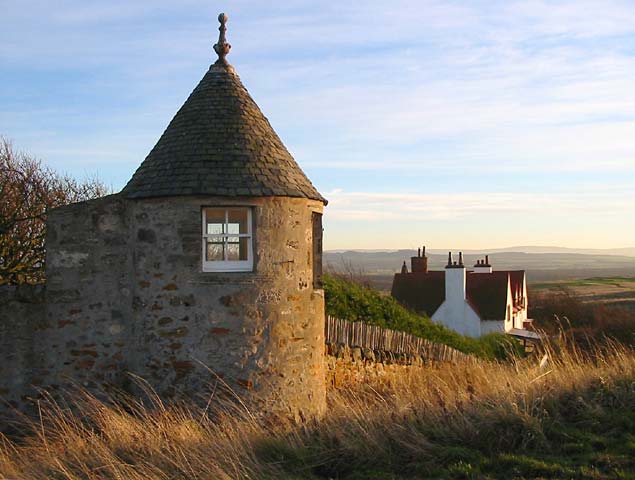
237	219
237	248
215	219
214	250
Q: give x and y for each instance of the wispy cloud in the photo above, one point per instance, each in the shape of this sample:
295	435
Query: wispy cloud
371	206
367	97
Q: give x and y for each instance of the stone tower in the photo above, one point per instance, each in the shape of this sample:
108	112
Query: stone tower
206	265
220	165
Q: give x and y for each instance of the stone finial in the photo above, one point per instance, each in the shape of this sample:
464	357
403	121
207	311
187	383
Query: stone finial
222	48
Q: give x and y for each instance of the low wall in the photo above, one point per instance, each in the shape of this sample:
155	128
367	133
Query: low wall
357	352
22	316
393	342
346	365
354	352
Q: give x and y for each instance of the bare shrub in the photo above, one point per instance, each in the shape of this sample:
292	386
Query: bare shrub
349	271
28	191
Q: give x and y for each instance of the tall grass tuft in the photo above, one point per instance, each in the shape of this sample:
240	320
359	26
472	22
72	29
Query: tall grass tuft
570	415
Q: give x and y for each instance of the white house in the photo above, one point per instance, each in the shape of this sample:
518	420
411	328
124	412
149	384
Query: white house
473	302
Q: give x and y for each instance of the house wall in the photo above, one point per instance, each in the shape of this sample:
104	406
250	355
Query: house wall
482	269
510	316
126	293
459	317
509	321
492	326
521	316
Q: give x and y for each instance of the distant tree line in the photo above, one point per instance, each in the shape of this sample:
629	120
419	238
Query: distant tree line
28	191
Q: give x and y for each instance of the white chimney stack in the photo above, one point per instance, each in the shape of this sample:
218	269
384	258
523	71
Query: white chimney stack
455	275
455	312
483	266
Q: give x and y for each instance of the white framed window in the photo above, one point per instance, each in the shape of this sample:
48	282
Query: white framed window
227	239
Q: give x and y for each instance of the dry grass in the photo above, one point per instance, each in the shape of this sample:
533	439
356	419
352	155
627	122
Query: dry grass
467	421
582	316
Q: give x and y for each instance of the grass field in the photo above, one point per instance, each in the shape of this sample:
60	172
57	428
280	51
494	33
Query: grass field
608	291
618	282
573	418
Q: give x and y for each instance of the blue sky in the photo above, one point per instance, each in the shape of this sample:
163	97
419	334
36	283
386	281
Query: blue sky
458	124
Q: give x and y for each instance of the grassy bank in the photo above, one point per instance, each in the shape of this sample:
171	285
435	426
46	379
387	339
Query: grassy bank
573	418
357	302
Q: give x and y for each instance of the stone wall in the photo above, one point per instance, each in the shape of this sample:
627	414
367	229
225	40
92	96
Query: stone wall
22	316
126	295
261	332
346	365
89	337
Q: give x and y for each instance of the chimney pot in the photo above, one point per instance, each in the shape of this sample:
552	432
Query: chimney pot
449	258
460	258
424	250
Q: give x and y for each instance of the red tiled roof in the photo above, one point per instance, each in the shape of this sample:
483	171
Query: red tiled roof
421	292
486	292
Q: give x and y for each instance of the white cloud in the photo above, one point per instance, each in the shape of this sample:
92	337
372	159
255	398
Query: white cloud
385	207
405	87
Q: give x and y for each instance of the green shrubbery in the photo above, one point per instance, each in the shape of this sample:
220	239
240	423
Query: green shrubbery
352	301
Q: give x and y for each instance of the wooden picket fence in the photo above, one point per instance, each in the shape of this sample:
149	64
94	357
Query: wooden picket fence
359	334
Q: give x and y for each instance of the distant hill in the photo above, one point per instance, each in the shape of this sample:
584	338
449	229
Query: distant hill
624	252
539	266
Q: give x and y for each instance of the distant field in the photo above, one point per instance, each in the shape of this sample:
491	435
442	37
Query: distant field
619	282
613	291
544	270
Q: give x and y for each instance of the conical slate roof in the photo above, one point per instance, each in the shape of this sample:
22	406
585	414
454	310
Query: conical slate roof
219	143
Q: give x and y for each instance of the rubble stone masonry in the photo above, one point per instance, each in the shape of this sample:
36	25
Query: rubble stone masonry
126	295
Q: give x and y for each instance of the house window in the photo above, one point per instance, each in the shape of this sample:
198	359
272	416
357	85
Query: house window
227	240
317	250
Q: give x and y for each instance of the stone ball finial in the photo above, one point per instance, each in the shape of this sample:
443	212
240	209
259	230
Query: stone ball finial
222	48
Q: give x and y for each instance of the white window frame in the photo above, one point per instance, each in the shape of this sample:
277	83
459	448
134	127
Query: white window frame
228	265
